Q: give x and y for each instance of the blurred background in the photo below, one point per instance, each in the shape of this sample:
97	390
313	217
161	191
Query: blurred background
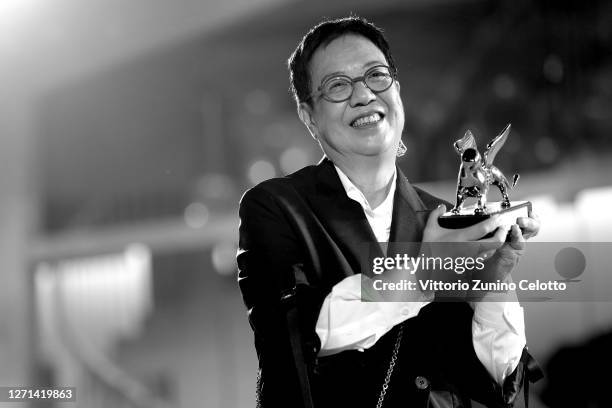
130	129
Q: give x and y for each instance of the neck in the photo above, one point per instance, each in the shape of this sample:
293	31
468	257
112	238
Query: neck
371	176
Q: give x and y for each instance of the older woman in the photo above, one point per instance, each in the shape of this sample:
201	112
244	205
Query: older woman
302	238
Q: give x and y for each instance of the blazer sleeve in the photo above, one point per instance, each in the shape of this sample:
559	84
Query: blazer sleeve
271	260
455	359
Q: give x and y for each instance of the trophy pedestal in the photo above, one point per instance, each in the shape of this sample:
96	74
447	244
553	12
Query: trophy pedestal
467	217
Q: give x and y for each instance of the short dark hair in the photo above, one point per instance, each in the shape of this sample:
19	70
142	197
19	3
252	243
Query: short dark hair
321	35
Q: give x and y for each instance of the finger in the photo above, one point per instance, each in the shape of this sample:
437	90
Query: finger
477	231
490	245
501	234
517	240
432	221
486	254
527	224
530	226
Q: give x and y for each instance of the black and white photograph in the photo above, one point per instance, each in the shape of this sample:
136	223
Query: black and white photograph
305	204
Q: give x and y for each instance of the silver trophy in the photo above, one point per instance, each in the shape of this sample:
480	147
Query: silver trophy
476	175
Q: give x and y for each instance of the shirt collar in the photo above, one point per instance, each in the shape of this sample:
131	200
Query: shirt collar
354	193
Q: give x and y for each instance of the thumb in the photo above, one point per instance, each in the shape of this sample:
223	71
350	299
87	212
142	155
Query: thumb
432	221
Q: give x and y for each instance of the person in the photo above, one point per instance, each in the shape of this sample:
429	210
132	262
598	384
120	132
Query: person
301	239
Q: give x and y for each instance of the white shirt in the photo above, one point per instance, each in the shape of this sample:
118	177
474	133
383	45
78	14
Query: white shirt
347	323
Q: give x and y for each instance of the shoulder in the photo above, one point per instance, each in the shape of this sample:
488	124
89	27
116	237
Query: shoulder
279	188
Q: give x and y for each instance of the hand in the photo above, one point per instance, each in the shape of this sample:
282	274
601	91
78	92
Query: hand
503	261
435	233
474	244
499	266
465	244
530	225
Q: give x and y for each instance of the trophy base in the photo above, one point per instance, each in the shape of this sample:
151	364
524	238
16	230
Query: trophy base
467	218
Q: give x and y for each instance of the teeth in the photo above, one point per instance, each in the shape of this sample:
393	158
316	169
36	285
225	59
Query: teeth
367	120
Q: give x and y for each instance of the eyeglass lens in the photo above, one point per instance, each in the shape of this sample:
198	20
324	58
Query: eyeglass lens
340	88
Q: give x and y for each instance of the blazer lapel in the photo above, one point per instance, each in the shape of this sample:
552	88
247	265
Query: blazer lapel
345	221
343	217
409	218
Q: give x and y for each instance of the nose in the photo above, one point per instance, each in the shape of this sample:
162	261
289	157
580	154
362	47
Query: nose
362	95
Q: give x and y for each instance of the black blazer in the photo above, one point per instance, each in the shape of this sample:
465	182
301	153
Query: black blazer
303	231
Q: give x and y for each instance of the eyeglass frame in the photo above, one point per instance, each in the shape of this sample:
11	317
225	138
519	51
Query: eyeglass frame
319	92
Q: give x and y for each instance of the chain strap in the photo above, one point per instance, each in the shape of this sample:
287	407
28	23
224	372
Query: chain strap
383	391
258	384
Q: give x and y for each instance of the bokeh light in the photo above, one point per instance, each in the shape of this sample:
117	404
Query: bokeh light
553	69
196	215
293	159
261	170
224	258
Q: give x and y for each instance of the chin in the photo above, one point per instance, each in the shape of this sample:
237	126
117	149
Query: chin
372	151
376	146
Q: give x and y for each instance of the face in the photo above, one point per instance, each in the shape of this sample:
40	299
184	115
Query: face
367	124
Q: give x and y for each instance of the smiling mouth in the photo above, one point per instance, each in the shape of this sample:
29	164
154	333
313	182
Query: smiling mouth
366	121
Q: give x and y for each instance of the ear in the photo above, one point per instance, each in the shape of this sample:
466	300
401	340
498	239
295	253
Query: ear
398	85
306	116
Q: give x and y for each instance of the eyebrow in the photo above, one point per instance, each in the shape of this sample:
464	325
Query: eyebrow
336	73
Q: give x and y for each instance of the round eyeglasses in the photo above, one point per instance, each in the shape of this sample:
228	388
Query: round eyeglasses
339	88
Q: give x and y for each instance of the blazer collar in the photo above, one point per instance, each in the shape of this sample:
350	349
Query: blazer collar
409	212
347	223
343	217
